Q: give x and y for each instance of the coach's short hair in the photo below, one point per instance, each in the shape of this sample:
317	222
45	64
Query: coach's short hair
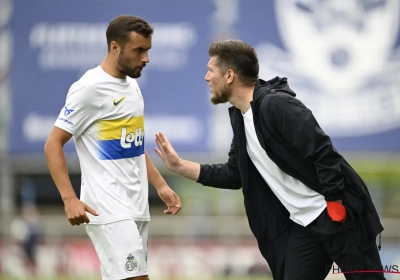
120	27
238	56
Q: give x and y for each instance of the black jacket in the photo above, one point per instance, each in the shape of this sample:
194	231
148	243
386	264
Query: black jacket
292	138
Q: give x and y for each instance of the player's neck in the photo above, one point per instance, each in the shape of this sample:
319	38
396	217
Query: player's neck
110	67
241	98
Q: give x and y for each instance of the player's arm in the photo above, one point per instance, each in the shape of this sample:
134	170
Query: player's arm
297	125
170	198
223	175
56	162
53	149
153	175
79	112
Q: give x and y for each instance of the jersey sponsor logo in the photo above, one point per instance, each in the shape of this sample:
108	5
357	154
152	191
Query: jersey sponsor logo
65	121
119	101
67	111
121	138
127	139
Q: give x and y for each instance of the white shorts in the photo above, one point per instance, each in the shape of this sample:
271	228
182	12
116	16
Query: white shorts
121	247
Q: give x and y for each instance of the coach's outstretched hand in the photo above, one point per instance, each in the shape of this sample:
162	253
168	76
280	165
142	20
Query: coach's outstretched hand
166	152
76	211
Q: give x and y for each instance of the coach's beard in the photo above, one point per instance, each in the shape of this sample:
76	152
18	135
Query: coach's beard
222	96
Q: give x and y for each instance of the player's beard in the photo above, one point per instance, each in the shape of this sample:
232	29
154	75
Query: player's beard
124	68
221	96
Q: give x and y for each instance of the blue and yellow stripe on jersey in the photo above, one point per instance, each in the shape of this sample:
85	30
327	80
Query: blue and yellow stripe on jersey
121	138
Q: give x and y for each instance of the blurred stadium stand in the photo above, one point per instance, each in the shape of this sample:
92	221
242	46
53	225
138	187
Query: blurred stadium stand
341	57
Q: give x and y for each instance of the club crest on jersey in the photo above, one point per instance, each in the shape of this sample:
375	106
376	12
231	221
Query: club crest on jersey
132	264
127	139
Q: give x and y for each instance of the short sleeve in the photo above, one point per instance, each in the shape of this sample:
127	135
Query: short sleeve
81	109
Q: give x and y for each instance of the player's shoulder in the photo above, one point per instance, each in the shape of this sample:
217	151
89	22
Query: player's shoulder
82	91
86	83
91	77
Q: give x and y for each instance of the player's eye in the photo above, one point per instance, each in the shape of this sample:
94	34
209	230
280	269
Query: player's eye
140	50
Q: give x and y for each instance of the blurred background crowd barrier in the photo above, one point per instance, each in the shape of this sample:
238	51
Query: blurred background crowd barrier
341	57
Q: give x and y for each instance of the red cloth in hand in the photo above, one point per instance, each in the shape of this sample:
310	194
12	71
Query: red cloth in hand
336	211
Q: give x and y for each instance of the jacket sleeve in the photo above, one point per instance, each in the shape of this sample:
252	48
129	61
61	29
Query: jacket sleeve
222	175
298	127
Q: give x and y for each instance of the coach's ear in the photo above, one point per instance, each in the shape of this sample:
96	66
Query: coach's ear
230	76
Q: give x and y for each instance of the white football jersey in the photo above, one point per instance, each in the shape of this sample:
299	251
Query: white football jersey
105	116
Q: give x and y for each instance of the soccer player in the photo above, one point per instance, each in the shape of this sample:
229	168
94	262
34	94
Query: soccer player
104	112
306	205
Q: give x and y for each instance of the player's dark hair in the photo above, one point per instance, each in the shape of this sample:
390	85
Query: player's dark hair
120	27
237	56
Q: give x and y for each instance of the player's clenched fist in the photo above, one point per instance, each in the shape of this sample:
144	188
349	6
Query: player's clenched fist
76	211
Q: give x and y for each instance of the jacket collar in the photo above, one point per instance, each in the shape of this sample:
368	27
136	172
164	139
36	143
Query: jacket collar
263	87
